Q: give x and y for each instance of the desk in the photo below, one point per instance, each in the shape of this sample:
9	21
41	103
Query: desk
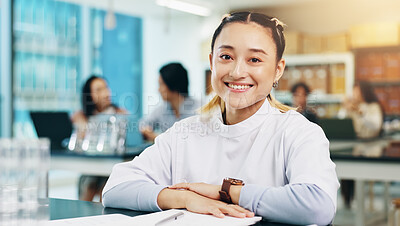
92	164
352	158
63	209
364	161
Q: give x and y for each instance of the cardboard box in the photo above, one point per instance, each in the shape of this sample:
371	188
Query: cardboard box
294	43
284	81
336	43
320	79
392	66
294	76
376	67
370	66
337	79
312	44
382	96
375	35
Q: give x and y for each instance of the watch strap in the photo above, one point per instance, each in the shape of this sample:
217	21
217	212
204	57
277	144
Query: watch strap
224	193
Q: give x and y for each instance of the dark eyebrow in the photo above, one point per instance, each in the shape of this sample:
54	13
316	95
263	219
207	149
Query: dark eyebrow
225	47
252	50
258	51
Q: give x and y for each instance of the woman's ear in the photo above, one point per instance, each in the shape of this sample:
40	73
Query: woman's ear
210	56
280	68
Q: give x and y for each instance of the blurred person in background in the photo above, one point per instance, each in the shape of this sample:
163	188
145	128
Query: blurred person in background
367	116
173	87
300	93
365	111
96	99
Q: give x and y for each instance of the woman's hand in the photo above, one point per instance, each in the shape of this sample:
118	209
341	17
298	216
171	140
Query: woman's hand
148	133
200	204
208	190
176	199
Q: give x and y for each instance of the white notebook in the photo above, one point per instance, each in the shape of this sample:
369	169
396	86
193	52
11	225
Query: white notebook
188	219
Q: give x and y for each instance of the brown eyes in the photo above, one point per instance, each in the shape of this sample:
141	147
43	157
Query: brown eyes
227	57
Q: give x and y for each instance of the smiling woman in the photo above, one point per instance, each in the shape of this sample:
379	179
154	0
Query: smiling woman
281	159
244	68
258	53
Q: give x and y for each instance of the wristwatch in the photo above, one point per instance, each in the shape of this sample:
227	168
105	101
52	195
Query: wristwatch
226	184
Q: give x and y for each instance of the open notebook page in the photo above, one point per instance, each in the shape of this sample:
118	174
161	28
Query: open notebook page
188	219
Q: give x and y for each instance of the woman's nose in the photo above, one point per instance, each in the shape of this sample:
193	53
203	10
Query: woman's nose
239	69
107	92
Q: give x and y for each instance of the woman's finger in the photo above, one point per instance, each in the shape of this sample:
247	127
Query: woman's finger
243	210
180	185
216	212
231	210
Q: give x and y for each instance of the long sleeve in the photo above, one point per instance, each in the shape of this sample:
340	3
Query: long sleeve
293	203
136	184
136	195
153	120
368	122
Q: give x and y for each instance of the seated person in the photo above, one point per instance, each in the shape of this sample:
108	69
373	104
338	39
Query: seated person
280	159
173	87
367	115
300	93
95	100
365	111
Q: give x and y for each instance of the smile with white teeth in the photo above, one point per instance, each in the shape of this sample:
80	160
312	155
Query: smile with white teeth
238	87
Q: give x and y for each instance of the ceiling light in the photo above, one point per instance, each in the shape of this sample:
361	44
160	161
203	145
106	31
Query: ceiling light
185	7
110	20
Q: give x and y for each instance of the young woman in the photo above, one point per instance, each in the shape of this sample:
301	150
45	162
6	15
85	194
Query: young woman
300	92
365	111
173	87
96	99
280	160
367	115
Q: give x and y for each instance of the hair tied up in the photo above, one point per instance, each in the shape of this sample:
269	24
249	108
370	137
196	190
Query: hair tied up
226	16
278	22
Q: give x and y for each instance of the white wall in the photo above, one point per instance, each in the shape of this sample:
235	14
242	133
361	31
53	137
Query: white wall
176	39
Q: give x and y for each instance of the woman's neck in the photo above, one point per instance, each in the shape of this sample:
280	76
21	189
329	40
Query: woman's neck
233	116
176	103
100	109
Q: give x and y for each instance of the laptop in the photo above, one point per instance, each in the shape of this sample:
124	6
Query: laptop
338	129
56	126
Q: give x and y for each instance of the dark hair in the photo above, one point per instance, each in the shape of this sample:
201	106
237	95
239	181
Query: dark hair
298	85
88	106
367	92
263	20
175	77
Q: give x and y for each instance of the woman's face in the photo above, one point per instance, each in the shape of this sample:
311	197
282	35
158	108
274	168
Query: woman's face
357	95
243	65
163	89
300	98
100	93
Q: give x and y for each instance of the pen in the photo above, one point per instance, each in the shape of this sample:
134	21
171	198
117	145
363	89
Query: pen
175	216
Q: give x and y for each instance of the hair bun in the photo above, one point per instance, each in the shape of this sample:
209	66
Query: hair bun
226	16
278	23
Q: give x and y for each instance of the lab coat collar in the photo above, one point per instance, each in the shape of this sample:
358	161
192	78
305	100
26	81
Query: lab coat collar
243	127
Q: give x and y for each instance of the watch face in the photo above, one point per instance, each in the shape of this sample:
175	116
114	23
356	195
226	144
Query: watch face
236	181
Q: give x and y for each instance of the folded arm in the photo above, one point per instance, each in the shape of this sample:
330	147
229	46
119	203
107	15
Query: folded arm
295	204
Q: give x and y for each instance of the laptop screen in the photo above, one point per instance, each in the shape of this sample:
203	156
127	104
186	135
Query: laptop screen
338	129
56	126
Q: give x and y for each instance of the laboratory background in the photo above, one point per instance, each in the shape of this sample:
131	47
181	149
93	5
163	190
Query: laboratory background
342	59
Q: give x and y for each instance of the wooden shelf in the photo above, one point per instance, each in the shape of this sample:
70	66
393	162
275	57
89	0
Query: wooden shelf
346	58
313	98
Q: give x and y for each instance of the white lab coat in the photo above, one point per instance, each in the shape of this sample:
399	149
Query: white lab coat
270	148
